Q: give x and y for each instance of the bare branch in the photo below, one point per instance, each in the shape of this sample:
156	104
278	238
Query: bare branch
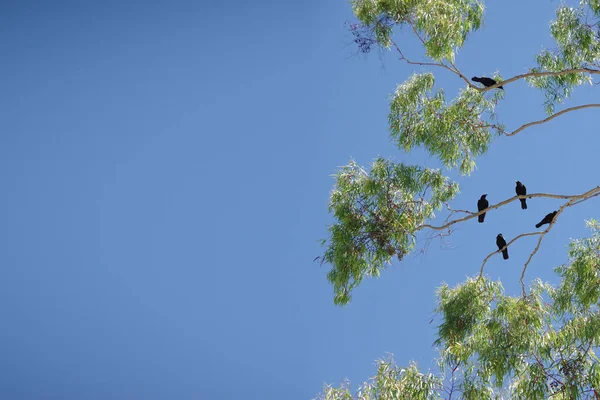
542	234
584	199
505	247
459	211
452	379
452	69
525	126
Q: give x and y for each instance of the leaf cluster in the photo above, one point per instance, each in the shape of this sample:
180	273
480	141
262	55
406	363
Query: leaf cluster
453	132
442	25
577	46
377	214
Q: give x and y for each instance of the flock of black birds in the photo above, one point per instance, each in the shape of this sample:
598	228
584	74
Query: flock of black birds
521	190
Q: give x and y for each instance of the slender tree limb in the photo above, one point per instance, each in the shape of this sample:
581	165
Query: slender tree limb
460	74
582	200
452	379
454	70
543	73
566	110
459	211
412	25
537	247
485	260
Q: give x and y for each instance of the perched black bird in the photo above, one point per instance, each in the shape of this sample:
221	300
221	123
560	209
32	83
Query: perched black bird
547	219
521	191
482	204
500	242
487	82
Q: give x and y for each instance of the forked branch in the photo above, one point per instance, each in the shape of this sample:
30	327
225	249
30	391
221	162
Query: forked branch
573	200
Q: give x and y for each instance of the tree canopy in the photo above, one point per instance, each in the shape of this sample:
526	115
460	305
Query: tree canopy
491	345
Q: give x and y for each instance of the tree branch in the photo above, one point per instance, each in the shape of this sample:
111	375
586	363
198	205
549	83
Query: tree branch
543	73
454	69
452	211
525	126
591	193
542	234
505	247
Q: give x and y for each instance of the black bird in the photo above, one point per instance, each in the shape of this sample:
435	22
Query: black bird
547	219
521	191
487	82
500	242
482	204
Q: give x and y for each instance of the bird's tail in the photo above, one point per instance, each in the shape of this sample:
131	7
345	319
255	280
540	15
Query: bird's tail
505	254
538	225
523	204
481	217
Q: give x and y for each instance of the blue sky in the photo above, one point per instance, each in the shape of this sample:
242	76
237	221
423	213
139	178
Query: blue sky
165	175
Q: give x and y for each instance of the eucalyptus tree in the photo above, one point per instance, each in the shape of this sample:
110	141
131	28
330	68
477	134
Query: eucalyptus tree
492	345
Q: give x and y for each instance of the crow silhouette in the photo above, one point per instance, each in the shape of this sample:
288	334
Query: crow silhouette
521	191
487	82
547	219
500	242
482	204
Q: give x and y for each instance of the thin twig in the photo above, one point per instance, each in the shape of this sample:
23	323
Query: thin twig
542	234
452	380
433	64
459	211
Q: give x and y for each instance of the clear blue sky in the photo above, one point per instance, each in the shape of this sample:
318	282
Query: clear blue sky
165	171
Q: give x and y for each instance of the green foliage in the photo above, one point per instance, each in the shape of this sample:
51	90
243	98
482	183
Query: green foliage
578	46
377	214
581	282
391	383
443	25
493	345
454	132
